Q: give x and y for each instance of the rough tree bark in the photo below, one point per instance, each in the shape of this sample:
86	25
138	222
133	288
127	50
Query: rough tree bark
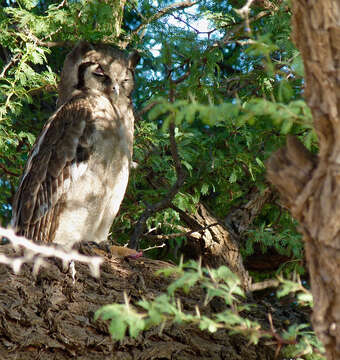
310	186
51	317
215	245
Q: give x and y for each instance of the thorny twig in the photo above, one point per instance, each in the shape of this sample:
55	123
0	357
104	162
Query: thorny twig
37	253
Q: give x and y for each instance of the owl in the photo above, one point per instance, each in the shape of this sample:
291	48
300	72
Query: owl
77	172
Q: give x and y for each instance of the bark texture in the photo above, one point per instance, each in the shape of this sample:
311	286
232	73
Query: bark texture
215	245
310	186
50	318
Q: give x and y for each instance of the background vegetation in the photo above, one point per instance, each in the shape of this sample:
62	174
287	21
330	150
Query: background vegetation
230	80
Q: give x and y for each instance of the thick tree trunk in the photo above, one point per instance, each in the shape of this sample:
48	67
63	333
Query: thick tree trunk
309	186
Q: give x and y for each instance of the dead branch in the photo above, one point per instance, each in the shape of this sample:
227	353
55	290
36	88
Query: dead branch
171	236
264	285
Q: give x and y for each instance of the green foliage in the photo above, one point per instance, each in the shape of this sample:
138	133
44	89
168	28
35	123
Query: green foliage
220	283
126	318
233	91
307	346
215	283
285	242
304	296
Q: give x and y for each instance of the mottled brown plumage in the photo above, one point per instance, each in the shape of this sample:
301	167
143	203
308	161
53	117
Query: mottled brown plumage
77	172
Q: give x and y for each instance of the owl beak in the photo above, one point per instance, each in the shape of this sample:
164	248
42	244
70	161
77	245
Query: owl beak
116	89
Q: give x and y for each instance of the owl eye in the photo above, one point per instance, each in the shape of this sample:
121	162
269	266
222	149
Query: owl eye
99	71
126	81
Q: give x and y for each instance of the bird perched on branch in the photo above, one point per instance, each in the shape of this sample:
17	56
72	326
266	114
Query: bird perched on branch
77	172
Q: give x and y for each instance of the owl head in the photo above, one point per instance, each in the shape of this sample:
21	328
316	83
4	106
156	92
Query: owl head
100	68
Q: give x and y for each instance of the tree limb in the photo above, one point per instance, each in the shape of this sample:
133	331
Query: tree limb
167	10
237	29
8	172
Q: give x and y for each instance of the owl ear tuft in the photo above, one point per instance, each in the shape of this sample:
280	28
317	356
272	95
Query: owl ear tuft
133	59
79	51
69	75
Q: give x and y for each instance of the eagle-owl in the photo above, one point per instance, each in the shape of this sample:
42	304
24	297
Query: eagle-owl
77	172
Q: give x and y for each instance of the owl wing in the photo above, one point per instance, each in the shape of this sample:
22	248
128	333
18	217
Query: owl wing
57	159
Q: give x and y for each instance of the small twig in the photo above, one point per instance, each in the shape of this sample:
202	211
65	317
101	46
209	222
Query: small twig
154	247
182	78
175	156
62	4
280	341
8	172
171	236
52	33
14	59
48	88
48	44
186	23
51	44
244	13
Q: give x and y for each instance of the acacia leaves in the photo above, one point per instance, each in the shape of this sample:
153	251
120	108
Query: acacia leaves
221	283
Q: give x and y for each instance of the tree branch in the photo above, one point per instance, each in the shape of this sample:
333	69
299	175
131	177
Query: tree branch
145	109
8	172
237	29
167	10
